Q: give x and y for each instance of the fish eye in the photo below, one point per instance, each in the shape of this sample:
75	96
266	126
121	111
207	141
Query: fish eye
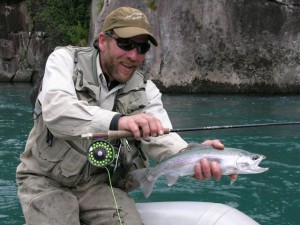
255	157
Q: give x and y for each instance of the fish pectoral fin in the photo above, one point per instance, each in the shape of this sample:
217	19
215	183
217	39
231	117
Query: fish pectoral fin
171	179
232	180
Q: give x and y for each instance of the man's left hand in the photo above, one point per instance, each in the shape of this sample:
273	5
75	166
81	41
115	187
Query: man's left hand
205	169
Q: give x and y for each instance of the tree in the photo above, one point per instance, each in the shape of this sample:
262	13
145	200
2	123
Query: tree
63	21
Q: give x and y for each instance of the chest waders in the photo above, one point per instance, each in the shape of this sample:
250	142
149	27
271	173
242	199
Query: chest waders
120	156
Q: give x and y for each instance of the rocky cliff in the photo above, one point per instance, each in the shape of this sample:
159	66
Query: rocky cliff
22	52
205	46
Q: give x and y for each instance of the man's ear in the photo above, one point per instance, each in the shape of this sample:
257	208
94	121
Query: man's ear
101	41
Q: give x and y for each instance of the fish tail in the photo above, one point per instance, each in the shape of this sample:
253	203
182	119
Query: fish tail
144	182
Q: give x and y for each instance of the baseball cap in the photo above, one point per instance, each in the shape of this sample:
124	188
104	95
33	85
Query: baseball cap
128	22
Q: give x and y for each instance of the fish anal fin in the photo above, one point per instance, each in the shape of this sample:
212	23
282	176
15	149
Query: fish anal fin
171	179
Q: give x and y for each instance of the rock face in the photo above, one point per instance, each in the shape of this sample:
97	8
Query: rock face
22	52
206	46
230	46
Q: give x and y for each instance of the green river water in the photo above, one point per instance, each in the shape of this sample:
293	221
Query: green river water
270	198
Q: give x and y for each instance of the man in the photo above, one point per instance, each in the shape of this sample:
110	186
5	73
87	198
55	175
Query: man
89	90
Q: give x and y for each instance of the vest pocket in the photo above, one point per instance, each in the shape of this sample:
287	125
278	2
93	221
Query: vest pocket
49	156
71	170
132	103
85	91
61	162
72	163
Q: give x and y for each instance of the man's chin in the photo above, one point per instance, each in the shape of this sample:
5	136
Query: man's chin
124	78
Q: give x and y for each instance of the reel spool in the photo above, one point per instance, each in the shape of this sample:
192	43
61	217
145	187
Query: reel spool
101	153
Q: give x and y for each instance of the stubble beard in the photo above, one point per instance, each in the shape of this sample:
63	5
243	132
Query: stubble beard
114	72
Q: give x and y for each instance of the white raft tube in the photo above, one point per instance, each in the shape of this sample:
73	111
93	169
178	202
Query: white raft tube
191	213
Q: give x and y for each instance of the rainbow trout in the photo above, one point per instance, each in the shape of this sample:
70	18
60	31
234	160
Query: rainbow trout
231	161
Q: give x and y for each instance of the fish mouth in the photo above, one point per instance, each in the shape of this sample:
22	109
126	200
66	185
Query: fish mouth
256	168
251	167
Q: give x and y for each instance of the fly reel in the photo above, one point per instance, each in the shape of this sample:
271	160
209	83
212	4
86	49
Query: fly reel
101	153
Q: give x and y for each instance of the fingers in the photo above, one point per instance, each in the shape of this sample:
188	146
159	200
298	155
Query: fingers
214	143
141	125
233	176
206	170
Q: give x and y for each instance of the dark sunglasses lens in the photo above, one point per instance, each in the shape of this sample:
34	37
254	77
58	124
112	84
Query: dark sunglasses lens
143	48
126	44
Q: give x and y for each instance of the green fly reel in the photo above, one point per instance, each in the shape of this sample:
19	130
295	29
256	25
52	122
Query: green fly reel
101	153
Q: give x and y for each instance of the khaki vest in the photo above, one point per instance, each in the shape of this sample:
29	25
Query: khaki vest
66	161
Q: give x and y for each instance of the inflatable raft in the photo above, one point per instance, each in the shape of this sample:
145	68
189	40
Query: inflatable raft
191	213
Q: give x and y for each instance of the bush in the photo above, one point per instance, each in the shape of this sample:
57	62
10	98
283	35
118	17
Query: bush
64	21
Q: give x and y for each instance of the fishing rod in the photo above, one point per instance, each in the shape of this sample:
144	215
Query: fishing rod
127	134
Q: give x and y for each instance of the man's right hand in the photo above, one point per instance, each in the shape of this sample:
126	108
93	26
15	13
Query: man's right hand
141	125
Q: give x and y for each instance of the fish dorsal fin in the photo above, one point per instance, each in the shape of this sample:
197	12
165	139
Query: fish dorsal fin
171	179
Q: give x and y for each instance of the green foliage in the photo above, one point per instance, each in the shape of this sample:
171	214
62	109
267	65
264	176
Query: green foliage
64	21
198	22
78	34
23	55
100	5
152	5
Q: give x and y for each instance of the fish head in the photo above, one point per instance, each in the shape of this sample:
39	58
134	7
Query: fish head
248	163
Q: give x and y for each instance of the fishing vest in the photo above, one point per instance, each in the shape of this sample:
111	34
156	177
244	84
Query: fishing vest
65	160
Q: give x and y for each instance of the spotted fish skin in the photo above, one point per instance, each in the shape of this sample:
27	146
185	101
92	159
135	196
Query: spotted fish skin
231	161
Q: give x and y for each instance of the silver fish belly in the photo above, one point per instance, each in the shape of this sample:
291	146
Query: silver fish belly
231	161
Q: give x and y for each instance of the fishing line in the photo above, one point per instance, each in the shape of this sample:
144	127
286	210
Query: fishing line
102	154
114	197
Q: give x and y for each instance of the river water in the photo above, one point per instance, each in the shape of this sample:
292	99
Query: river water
270	198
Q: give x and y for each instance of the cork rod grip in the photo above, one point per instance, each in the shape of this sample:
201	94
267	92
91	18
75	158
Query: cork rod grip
114	134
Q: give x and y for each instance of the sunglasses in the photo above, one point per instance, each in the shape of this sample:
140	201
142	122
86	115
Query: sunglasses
128	44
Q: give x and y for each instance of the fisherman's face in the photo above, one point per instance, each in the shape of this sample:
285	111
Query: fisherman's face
117	63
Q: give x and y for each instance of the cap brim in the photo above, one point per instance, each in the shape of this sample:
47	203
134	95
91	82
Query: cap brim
128	32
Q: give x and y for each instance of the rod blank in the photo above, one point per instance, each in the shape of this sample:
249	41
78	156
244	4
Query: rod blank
235	126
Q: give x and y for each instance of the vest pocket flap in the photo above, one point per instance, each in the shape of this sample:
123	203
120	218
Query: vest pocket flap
52	153
83	86
133	102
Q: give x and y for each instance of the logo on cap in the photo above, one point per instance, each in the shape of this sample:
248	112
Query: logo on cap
137	16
